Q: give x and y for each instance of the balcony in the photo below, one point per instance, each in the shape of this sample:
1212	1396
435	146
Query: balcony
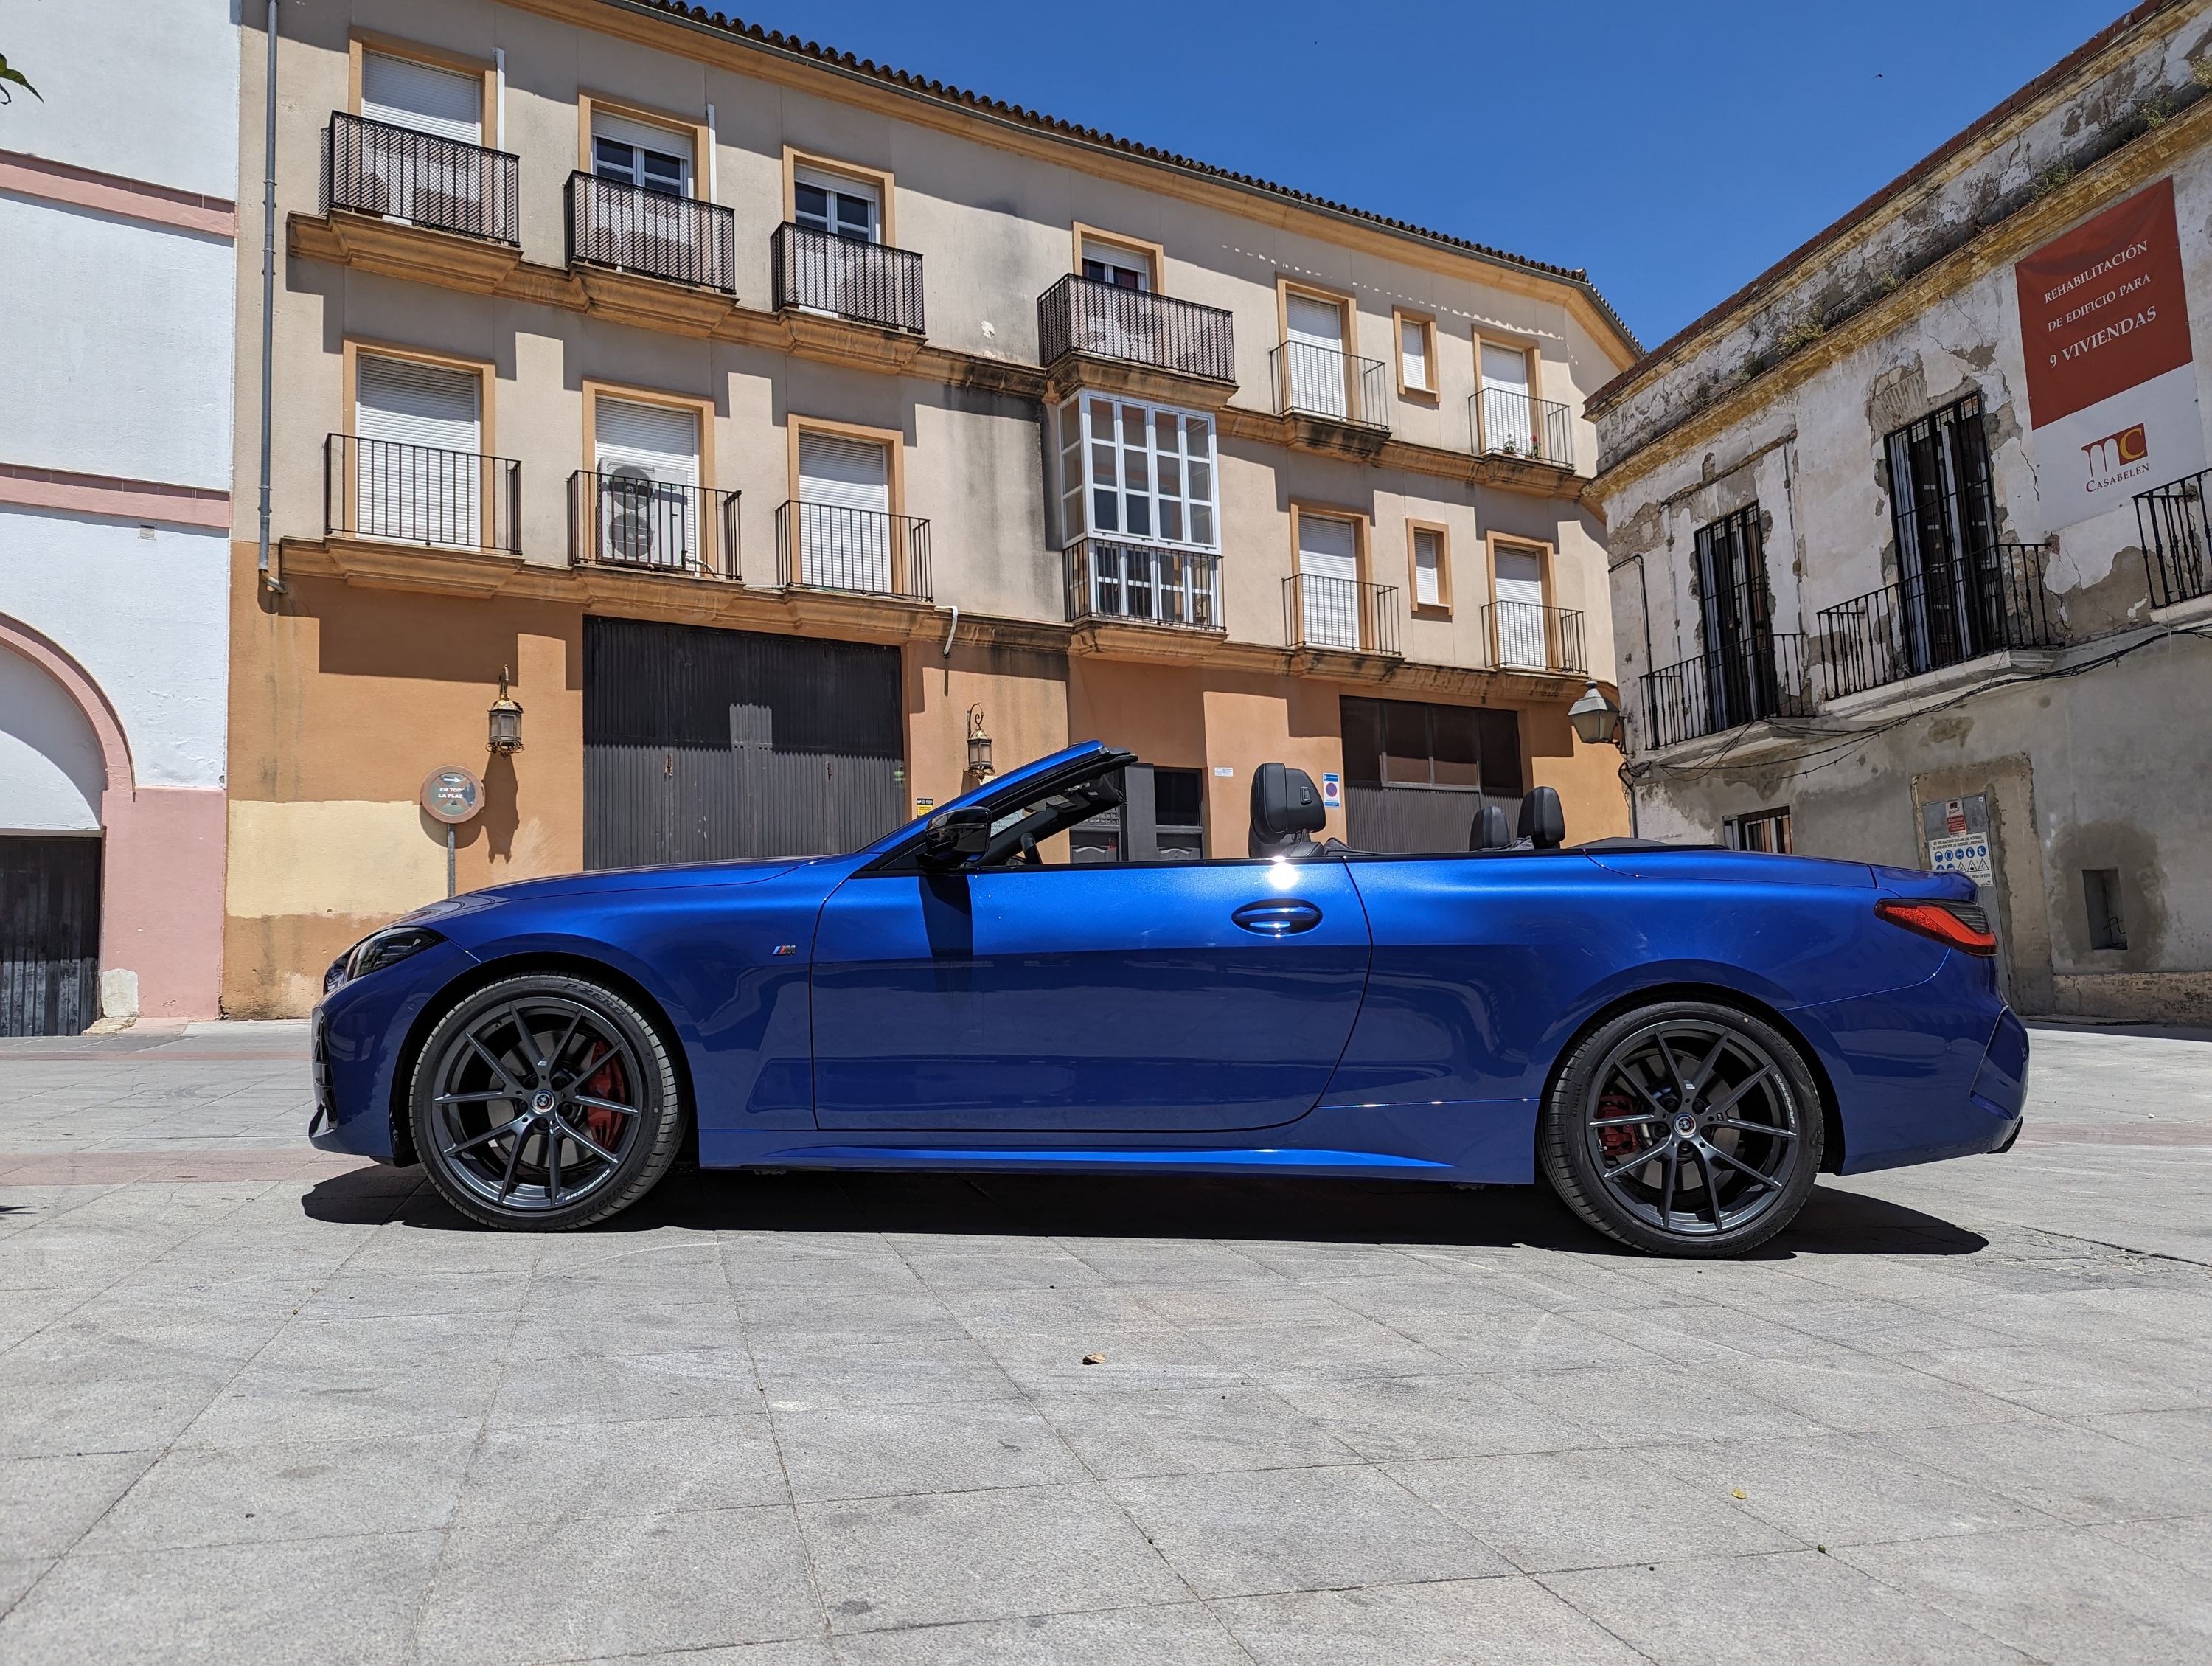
2176	540
1509	424
1320	381
1347	614
825	546
1134	326
1994	601
649	234
624	519
866	282
403	494
1761	676
443	184
1528	636
1143	585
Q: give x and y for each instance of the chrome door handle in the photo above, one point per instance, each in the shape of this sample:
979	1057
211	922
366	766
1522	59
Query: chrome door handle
1278	917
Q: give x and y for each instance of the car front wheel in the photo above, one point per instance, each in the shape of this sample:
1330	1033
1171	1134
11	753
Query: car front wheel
545	1101
1684	1128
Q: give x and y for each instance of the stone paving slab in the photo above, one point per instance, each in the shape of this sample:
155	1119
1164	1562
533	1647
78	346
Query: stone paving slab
261	1403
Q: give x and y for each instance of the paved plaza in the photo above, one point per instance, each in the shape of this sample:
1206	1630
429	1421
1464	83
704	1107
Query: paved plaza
260	1403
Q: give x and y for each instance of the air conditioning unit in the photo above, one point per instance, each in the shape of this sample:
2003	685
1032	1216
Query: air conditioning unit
644	522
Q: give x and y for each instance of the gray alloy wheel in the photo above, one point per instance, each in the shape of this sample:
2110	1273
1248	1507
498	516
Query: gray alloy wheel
1684	1128
545	1102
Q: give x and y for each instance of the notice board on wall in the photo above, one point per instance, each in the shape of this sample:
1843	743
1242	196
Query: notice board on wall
2111	391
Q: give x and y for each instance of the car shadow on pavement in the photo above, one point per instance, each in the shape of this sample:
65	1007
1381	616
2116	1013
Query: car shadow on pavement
1834	1222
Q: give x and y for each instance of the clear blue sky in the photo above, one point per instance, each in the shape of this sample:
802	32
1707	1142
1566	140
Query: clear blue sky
1675	150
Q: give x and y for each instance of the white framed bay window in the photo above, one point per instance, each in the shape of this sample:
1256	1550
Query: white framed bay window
1139	513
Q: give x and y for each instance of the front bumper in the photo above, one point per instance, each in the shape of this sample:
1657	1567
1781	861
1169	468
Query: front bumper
358	1043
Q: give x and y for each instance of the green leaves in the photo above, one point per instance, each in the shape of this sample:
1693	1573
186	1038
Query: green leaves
8	75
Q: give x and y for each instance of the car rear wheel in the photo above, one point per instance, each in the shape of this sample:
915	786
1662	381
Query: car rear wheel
545	1101
1684	1128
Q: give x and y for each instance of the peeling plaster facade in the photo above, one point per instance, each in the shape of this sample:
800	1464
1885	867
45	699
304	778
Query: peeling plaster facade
2082	738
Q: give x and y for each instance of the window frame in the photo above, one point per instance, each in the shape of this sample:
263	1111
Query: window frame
1153	255
1442	607
1732	828
879	180
486	69
694	127
1080	398
1399	317
701	405
892	440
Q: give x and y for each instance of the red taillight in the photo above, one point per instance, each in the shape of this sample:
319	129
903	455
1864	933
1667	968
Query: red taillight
1959	926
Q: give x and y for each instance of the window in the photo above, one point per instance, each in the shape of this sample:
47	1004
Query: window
2108	926
844	510
1160	818
1106	262
417	429
647	456
1520	633
1739	673
1329	580
1313	352
837	205
403	92
635	153
1417	354
1432	574
1764	829
1409	743
1508	412
1945	517
1135	471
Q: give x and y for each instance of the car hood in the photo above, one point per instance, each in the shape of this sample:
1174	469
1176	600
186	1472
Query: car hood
676	876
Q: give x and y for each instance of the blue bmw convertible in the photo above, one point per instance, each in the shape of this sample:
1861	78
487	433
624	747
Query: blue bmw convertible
1678	1039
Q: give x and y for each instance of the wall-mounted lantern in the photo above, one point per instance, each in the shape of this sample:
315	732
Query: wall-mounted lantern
979	744
506	720
1596	719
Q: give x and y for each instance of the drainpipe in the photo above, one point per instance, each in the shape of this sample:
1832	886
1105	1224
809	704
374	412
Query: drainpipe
268	282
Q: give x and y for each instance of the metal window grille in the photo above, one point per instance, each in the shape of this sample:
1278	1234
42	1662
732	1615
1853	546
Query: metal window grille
827	546
623	518
1321	382
1140	582
1350	614
652	234
407	494
1528	636
1511	424
2176	540
446	185
869	282
1081	315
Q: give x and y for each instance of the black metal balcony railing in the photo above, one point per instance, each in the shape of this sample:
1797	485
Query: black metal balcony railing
1339	613
1320	381
2176	540
1077	315
623	518
823	546
1994	601
652	234
371	168
866	281
384	488
1510	424
1760	677
1529	636
1144	583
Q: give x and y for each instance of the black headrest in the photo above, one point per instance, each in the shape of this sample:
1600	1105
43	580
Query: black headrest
1286	804
1541	823
1489	831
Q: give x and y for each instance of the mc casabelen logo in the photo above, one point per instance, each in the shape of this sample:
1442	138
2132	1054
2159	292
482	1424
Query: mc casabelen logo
2116	451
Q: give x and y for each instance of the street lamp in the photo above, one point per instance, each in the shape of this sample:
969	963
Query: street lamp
979	744
1596	719
506	720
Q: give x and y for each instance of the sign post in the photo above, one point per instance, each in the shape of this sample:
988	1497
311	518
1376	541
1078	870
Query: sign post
451	796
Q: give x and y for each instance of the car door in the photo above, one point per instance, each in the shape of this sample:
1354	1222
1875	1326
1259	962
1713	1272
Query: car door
1182	996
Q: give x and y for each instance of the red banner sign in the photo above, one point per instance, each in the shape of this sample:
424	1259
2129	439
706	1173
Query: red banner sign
2102	309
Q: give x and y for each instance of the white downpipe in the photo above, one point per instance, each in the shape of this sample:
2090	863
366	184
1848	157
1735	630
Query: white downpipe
712	147
499	98
268	282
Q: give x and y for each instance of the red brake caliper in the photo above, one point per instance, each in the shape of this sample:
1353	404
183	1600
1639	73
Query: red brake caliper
605	1083
1621	1140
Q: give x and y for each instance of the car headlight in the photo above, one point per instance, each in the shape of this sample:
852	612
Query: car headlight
378	951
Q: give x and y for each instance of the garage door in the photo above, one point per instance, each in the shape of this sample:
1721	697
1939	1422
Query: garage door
702	745
49	935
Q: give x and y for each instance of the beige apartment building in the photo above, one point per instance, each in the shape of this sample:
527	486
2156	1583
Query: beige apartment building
798	439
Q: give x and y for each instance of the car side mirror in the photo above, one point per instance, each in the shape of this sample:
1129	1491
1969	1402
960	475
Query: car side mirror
965	831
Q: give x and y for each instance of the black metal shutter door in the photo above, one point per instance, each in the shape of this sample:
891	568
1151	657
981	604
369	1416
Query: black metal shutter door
704	745
49	935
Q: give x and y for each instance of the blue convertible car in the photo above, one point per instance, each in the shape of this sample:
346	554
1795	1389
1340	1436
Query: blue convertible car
1678	1039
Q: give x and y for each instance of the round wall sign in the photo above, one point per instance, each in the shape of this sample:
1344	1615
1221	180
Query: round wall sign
452	794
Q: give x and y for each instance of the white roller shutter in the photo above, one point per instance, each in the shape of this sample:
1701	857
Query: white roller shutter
1507	415
417	430
1505	367
1414	350
844	510
1315	351
404	93
1520	608
647	458
1328	566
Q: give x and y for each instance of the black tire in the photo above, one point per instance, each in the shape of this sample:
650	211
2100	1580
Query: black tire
484	1111
1684	1128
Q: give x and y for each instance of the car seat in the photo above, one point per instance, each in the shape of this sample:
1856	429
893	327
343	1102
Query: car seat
1286	811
